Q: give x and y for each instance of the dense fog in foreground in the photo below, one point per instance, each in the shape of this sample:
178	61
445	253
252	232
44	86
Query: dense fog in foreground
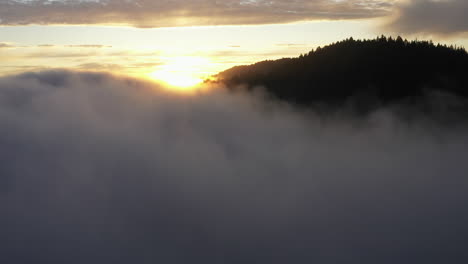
100	169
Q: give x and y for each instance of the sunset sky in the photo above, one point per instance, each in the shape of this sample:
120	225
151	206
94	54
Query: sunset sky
184	41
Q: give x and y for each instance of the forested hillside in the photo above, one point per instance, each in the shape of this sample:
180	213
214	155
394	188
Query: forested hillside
383	69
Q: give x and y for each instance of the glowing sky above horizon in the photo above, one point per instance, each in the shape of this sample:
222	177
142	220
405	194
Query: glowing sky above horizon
183	41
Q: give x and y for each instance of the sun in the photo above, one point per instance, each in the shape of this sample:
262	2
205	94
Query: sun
182	72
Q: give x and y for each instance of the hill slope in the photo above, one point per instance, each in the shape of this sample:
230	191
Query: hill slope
384	69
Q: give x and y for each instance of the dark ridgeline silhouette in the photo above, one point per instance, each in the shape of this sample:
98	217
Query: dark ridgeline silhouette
382	70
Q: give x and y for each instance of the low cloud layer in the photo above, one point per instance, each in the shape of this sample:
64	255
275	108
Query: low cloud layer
100	169
149	13
432	17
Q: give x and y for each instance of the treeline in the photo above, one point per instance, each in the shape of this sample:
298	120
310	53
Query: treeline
384	69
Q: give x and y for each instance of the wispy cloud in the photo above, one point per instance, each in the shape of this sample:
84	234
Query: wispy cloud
96	57
6	45
46	45
96	46
88	46
291	44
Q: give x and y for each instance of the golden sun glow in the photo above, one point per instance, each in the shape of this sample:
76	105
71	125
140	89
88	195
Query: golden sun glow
182	72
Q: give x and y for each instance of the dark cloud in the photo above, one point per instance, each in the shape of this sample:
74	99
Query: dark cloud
100	169
431	16
149	13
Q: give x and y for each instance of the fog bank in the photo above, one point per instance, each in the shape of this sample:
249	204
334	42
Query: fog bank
103	169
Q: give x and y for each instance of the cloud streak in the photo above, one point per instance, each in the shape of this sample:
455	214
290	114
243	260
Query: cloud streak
103	169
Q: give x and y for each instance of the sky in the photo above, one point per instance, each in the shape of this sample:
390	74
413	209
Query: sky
184	41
